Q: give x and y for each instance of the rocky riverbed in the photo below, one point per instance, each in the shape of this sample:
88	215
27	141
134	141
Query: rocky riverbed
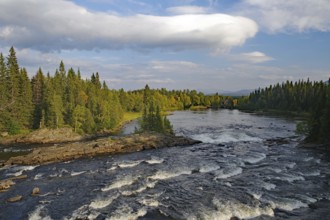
84	149
100	146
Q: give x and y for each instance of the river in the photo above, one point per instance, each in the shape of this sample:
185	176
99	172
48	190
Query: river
248	166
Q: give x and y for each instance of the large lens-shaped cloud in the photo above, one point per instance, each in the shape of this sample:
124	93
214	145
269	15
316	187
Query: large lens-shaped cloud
48	25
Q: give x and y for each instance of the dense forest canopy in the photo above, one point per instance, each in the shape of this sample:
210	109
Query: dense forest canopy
87	105
63	98
308	97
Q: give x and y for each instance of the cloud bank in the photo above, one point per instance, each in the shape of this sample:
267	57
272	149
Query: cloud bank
48	25
289	15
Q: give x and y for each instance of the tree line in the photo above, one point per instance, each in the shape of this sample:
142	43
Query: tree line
64	98
308	97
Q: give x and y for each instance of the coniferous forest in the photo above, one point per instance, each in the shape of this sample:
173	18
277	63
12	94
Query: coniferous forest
64	98
309	98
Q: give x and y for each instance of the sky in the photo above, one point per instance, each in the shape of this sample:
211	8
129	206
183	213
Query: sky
207	45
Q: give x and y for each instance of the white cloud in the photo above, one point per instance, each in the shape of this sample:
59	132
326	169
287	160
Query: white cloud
252	57
173	66
187	9
289	15
48	25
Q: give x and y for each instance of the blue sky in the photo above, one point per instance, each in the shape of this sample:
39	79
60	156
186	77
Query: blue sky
207	45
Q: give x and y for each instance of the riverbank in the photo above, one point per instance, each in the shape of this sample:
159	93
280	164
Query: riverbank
101	146
275	112
63	135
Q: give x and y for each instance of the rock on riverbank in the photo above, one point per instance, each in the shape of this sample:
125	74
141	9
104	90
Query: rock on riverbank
101	146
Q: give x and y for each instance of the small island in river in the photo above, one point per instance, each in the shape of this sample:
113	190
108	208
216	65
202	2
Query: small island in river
100	146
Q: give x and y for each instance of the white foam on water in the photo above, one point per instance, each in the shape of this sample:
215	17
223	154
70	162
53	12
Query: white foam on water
151	184
287	204
129	164
308	159
255	158
208	168
228	184
227	172
38	214
149	202
127	213
245	137
38	176
20	169
155	160
60	173
126	181
211	139
63	171
162	175
53	175
306	199
133	192
290	165
102	202
47	194
312	173
227	210
276	170
77	173
256	195
83	213
268	186
225	137
113	168
290	178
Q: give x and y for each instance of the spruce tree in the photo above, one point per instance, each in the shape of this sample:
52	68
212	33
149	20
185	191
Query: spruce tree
38	90
3	83
13	106
3	93
25	107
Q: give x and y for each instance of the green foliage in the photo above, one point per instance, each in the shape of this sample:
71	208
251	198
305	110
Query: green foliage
65	99
302	128
301	96
151	118
12	126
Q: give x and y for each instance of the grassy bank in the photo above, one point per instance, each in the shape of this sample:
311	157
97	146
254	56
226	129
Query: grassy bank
129	116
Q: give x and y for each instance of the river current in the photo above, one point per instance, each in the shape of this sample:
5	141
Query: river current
247	166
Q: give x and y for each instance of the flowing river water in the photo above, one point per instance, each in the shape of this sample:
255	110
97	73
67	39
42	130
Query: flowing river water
248	166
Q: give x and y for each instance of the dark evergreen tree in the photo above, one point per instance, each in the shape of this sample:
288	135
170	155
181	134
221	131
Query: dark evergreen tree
25	107
38	89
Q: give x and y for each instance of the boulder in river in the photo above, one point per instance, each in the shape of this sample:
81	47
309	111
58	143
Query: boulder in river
15	198
35	191
6	184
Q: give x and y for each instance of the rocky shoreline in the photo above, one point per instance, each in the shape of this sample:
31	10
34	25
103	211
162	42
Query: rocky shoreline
101	146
